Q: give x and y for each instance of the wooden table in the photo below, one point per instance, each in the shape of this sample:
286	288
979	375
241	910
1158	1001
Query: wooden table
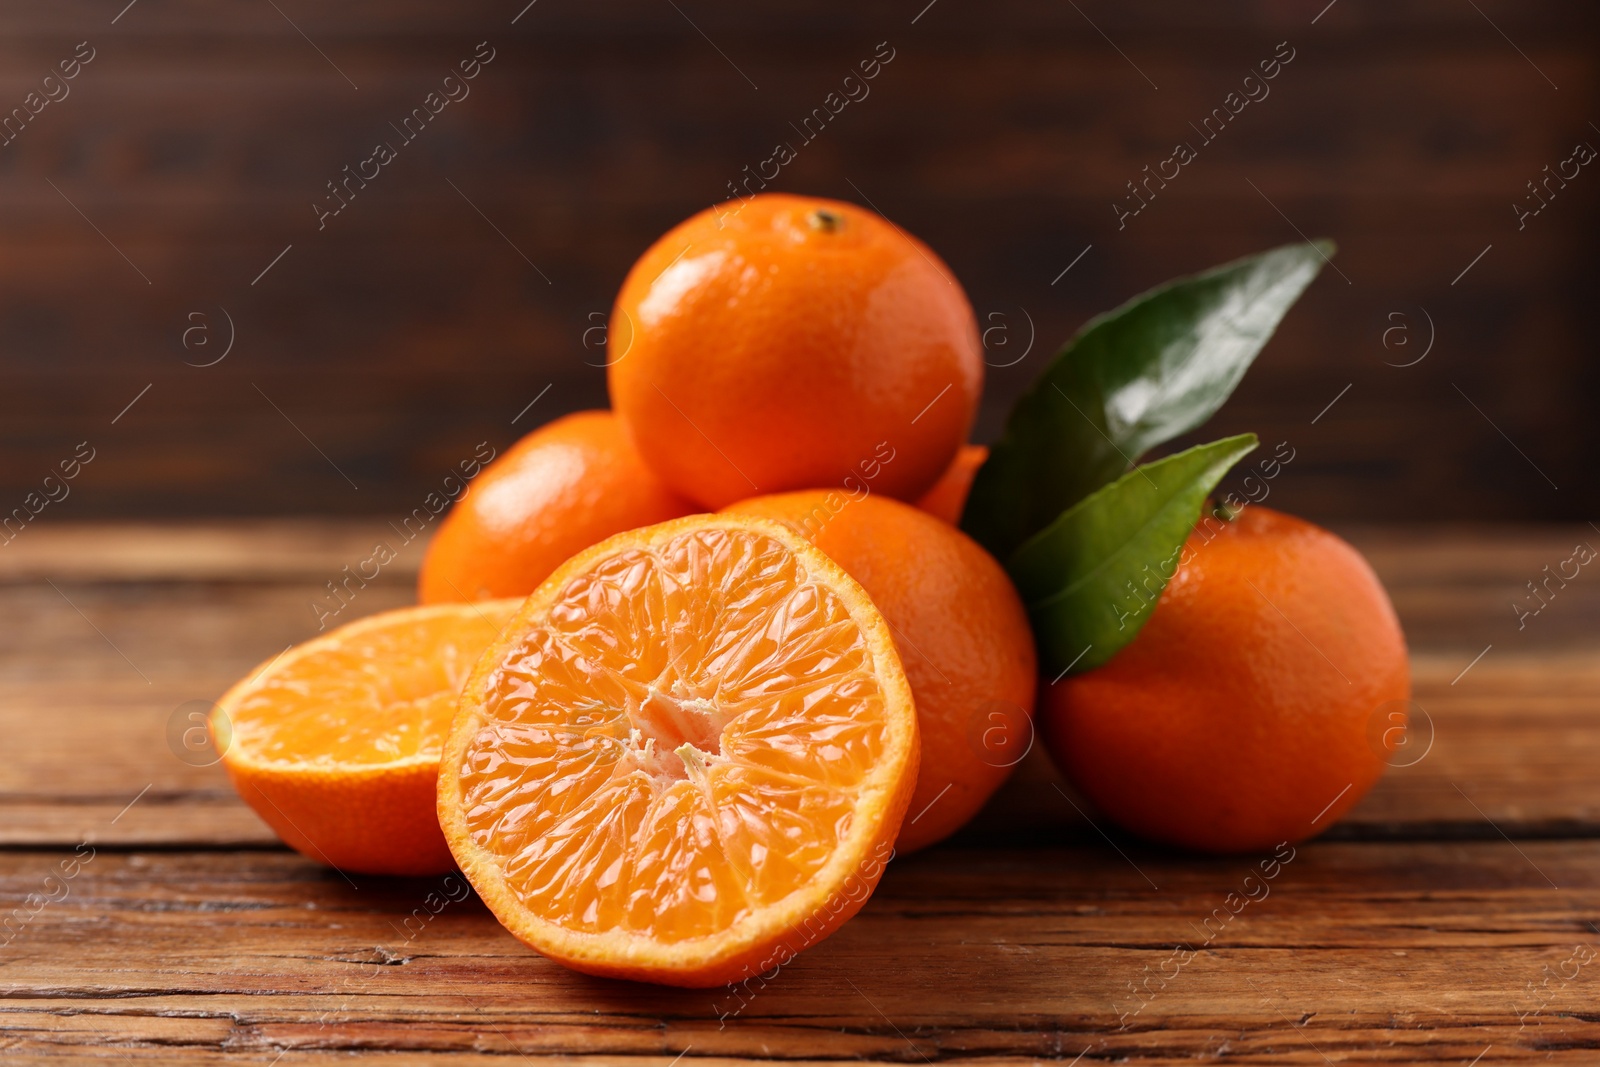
1452	916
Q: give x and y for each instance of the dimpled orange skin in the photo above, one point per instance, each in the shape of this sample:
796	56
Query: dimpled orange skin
568	485
947	498
775	345
963	638
1239	717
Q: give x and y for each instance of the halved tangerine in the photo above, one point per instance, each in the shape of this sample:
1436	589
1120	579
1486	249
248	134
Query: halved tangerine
687	758
335	744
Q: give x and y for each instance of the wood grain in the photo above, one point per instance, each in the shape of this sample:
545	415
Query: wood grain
409	329
1439	921
123	630
1360	952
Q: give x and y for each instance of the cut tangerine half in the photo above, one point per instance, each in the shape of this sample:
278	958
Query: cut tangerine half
687	758
335	744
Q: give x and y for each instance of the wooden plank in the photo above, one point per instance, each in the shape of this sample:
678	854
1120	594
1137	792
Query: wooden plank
244	550
1513	753
145	624
197	140
1369	952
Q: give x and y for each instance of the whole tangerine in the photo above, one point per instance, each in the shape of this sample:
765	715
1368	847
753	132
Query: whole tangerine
781	343
569	484
963	638
1239	717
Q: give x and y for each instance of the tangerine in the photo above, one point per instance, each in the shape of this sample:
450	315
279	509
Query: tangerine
963	638
565	486
788	342
335	743
687	758
1238	717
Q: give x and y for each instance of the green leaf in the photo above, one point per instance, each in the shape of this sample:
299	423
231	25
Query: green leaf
1092	577
1133	378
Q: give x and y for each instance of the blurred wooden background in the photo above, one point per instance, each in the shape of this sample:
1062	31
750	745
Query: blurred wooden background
376	352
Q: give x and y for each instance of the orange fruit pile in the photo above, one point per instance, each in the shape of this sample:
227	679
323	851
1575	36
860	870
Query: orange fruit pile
846	356
682	747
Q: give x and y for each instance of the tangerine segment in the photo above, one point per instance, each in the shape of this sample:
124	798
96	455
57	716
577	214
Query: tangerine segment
335	744
688	756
